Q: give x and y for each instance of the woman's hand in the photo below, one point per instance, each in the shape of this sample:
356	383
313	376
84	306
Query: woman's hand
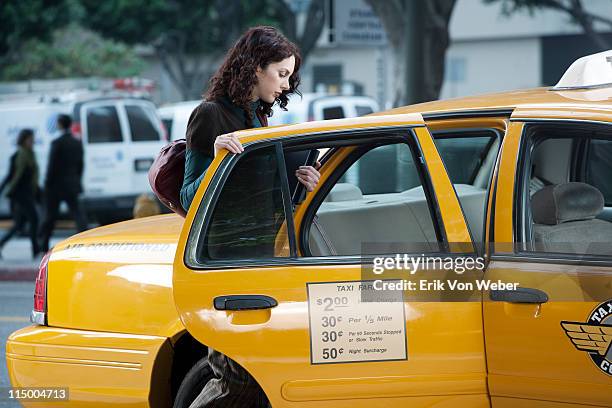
230	142
308	176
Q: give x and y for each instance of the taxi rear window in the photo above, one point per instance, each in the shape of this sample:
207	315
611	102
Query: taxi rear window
249	213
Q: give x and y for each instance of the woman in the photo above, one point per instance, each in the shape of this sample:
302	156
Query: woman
261	69
22	189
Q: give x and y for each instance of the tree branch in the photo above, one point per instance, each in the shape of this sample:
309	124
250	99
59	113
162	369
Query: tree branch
314	25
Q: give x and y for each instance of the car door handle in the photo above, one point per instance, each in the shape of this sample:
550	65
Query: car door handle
244	302
520	295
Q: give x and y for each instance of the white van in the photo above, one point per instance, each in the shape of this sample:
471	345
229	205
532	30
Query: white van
121	138
315	106
311	106
175	117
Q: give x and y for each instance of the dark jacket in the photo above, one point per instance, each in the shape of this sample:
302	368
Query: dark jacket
209	120
65	167
22	180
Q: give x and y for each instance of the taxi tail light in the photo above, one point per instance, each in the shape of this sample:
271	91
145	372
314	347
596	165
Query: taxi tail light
40	292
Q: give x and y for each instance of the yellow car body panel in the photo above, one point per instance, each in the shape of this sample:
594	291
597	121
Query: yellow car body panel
454	221
286	373
107	347
529	357
98	369
116	262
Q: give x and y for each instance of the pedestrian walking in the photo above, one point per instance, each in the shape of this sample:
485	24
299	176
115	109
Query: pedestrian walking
23	191
260	70
63	181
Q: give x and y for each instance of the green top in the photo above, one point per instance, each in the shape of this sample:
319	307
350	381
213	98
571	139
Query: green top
25	163
196	163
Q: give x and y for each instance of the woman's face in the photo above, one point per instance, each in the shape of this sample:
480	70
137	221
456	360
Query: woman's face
273	80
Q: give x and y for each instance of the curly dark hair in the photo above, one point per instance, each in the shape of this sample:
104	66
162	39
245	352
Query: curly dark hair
235	78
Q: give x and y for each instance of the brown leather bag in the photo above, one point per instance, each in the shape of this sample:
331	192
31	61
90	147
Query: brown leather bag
168	170
166	175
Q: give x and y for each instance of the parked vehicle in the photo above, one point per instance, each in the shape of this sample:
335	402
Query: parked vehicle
314	106
308	107
175	117
121	136
287	288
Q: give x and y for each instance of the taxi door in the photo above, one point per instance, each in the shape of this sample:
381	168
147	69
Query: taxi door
296	323
548	342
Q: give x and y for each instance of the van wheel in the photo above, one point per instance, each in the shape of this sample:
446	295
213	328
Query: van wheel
193	383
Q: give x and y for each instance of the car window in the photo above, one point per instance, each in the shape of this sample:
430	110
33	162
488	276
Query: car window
363	110
333	112
249	212
103	125
599	167
463	156
377	206
563	205
141	124
469	159
385	169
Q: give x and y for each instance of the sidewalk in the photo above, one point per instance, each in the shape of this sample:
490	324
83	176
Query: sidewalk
17	263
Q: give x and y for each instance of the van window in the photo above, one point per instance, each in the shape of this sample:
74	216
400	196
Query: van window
103	125
335	112
363	110
141	125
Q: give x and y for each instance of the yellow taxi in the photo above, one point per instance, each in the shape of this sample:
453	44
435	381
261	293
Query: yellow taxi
454	254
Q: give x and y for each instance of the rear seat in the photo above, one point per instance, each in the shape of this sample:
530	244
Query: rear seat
346	219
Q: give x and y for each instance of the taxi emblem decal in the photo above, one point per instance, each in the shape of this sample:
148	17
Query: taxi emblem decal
594	336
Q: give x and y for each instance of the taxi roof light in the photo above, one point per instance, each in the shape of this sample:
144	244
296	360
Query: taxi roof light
591	71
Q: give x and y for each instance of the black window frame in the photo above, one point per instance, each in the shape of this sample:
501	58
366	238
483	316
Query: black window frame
319	139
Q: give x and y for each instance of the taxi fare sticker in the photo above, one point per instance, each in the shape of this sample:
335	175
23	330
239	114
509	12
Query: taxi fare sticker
353	322
594	336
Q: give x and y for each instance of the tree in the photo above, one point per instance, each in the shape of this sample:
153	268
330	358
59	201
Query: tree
315	20
573	8
73	52
188	38
418	33
23	20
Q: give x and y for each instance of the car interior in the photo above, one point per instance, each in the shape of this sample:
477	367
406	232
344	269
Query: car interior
567	210
363	207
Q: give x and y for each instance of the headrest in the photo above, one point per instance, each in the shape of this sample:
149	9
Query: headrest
344	192
566	202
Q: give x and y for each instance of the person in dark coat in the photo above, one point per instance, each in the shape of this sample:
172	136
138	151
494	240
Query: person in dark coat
22	187
63	181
